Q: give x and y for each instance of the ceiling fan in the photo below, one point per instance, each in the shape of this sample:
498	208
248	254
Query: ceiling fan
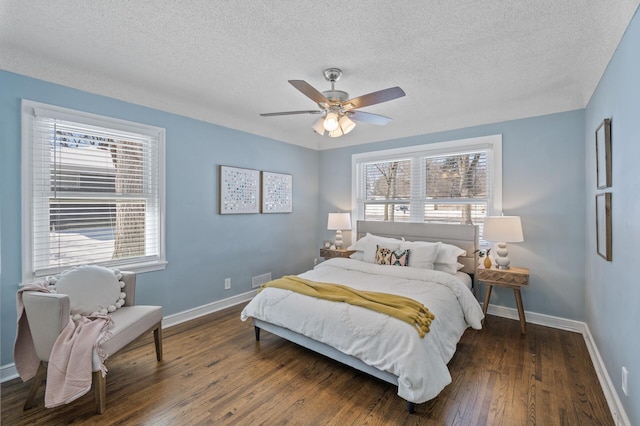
337	109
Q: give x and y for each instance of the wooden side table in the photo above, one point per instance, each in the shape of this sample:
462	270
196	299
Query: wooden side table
510	278
330	253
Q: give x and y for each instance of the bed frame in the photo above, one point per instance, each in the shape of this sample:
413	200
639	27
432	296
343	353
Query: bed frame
463	236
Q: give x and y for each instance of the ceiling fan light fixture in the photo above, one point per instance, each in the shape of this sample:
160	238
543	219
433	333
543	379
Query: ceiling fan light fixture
346	124
331	122
336	107
318	126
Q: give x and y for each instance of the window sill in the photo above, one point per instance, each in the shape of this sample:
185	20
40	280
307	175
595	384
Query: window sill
138	268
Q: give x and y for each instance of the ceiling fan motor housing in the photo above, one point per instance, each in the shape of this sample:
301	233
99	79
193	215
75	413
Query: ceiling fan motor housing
332	75
336	95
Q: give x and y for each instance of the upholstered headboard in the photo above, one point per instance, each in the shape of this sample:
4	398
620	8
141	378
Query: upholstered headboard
464	236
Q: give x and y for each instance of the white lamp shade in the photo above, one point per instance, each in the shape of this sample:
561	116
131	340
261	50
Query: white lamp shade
346	124
318	126
339	221
507	229
331	122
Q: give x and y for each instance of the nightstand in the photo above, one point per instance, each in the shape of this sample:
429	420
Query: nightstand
510	278
330	253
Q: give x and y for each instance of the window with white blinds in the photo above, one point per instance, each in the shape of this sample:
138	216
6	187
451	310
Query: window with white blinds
450	182
94	189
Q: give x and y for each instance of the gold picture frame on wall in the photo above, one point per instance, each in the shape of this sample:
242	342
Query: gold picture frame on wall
603	154
603	225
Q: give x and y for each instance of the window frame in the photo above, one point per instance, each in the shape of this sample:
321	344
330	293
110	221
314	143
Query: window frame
491	144
28	164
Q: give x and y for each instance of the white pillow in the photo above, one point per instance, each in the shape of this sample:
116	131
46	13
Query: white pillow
450	268
449	253
423	254
369	244
359	255
446	259
368	239
92	289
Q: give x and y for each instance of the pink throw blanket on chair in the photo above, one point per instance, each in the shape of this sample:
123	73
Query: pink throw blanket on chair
71	359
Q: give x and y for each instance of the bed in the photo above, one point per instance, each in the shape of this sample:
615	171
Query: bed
374	343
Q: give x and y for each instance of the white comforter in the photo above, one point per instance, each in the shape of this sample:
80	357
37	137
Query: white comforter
379	340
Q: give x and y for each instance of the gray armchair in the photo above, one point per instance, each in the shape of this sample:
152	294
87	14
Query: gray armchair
48	314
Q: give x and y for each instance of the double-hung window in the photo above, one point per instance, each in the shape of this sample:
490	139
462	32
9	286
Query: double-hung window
93	191
449	182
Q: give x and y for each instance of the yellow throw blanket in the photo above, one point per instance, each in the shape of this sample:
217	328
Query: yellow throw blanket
400	307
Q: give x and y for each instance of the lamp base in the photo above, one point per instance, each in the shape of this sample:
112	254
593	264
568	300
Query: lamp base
338	242
502	258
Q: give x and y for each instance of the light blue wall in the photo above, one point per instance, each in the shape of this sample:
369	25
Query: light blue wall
543	182
612	288
203	247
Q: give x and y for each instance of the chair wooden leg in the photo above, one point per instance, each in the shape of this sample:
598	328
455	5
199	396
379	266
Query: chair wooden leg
157	337
35	385
100	391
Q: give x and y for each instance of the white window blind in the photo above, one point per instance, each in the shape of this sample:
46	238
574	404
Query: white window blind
96	191
448	182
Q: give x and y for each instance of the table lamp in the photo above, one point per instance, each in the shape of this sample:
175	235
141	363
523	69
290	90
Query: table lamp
503	230
338	222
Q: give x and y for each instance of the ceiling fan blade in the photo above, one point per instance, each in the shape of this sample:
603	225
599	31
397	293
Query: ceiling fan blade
272	114
367	117
310	92
374	98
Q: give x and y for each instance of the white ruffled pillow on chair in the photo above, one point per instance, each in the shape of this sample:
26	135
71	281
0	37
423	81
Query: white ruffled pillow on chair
92	289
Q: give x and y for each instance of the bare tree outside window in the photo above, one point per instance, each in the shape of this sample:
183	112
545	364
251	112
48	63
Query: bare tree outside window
130	216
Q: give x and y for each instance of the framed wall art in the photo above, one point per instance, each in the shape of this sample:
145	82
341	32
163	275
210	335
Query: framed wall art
603	154
603	225
239	190
277	193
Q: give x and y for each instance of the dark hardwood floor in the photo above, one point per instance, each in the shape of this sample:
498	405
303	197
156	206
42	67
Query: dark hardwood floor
214	372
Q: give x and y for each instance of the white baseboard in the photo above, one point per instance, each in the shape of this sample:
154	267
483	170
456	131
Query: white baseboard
9	372
613	400
180	317
615	405
540	319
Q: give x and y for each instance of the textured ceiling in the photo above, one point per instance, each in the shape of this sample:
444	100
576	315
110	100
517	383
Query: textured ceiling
461	63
